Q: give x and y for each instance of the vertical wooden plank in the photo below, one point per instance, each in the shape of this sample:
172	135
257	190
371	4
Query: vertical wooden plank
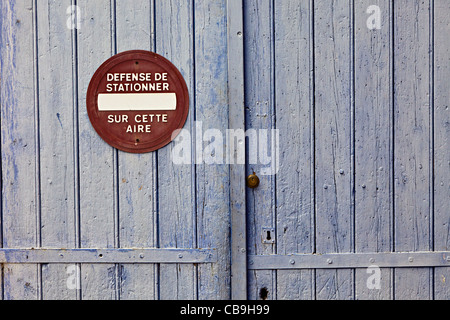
96	158
412	143
441	142
136	171
237	169
373	143
295	231
3	21
212	181
56	118
334	217
19	146
259	97
176	190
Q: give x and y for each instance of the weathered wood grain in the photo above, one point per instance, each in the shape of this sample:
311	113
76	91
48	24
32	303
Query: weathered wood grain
364	145
176	189
57	141
373	143
212	181
98	205
441	103
294	115
334	216
20	175
412	143
137	173
259	100
236	121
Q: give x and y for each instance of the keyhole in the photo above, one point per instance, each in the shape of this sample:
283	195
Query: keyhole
268	238
263	293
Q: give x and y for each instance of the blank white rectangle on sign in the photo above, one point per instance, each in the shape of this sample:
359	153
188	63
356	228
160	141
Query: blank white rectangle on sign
137	101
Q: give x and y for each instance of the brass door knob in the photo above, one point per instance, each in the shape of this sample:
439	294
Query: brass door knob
252	181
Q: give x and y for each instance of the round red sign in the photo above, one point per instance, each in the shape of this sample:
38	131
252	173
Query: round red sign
136	100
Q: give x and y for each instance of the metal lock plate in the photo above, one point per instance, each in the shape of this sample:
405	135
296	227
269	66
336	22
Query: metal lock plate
268	235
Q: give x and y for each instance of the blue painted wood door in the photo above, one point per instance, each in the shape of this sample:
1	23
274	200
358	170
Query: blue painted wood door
339	107
359	93
65	188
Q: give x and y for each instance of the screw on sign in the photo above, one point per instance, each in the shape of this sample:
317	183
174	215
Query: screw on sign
136	100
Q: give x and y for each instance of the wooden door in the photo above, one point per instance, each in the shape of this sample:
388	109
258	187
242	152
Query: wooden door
121	226
340	108
359	93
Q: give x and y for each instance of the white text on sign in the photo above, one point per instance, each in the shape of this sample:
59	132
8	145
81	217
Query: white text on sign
137	82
